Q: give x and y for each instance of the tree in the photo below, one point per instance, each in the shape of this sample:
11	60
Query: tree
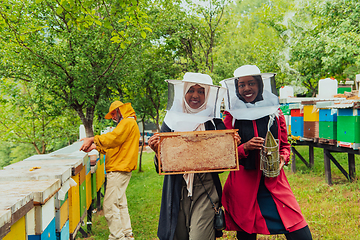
14	152
249	38
188	30
29	117
150	64
202	28
323	41
5	151
148	88
70	49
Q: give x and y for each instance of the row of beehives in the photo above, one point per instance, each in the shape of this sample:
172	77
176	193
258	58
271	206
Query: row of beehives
47	196
330	122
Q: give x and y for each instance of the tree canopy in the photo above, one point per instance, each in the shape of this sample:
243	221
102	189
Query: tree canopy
70	49
27	116
323	41
58	58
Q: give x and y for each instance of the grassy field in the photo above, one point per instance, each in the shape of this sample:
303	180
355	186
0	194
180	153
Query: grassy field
332	212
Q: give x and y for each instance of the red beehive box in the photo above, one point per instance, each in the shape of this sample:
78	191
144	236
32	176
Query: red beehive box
297	113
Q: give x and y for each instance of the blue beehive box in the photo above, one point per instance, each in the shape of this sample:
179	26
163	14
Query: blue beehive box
327	115
64	234
297	126
348	112
48	234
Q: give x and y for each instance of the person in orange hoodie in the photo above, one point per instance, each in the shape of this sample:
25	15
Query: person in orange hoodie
121	148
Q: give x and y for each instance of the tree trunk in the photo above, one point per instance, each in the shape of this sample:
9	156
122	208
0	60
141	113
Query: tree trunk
88	127
87	119
43	147
36	148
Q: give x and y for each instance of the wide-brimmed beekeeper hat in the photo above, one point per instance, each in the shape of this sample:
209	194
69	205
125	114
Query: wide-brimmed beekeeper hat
179	120
268	104
112	107
126	110
197	78
250	70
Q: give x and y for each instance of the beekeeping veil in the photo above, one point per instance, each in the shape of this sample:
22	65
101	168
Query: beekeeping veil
180	116
266	103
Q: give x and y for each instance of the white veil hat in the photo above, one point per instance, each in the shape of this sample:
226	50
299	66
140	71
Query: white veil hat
176	119
249	111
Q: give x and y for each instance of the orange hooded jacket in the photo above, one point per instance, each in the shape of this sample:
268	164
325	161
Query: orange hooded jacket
121	146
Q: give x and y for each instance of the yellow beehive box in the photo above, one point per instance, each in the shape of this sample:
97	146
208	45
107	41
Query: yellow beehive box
17	231
74	204
64	213
100	176
311	113
82	175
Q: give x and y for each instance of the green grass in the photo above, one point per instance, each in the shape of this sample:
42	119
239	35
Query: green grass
332	212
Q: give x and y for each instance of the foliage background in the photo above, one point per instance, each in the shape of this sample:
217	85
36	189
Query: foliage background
63	62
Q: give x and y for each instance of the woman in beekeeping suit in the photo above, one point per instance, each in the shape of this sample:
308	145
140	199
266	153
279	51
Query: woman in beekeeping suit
186	211
254	201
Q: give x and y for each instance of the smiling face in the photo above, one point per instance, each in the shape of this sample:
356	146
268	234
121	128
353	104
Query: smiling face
195	96
248	88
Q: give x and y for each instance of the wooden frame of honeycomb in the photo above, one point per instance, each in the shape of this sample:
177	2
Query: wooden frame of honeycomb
197	151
